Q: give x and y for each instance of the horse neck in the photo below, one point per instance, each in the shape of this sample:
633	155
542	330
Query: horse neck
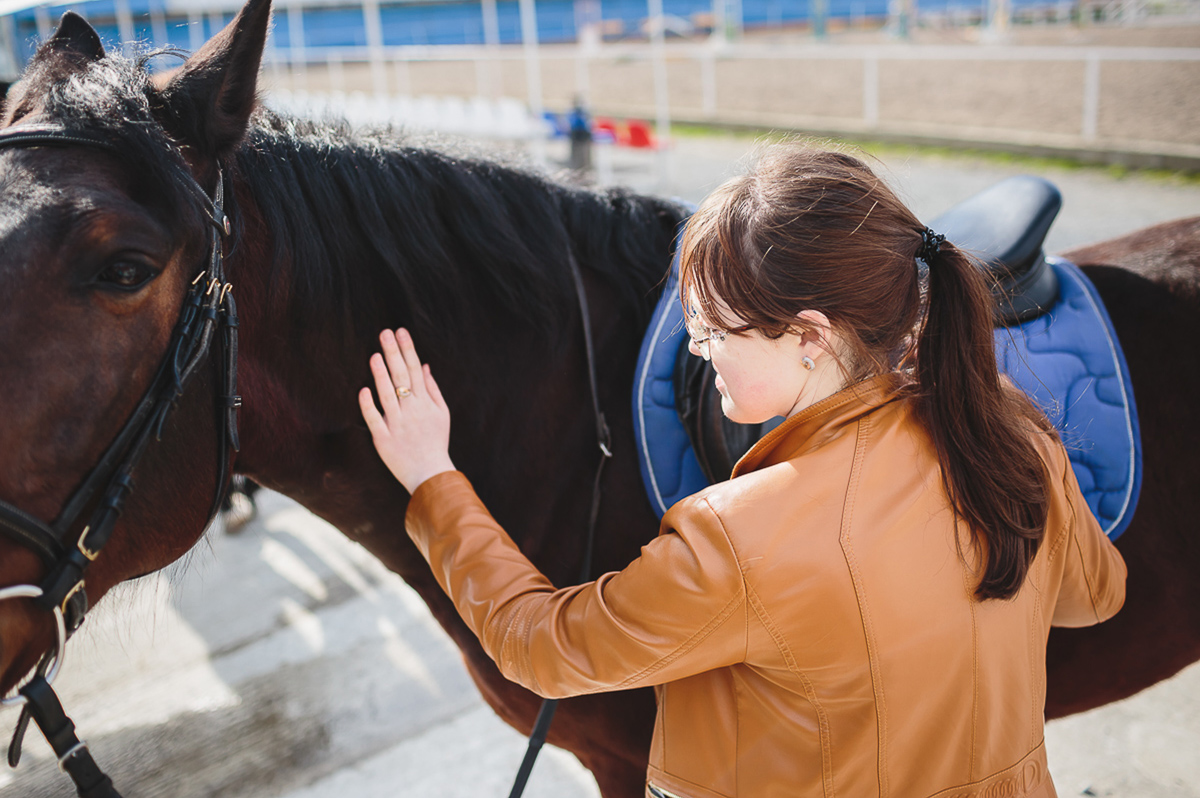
521	405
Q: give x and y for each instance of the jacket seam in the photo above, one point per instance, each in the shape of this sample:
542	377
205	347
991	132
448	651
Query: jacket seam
862	433
1060	539
810	692
515	645
974	670
1037	708
1087	576
1072	536
685	647
718	619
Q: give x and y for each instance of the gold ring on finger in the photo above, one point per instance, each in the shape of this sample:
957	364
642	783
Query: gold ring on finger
404	392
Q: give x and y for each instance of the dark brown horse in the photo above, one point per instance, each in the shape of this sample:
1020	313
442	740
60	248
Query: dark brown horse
337	236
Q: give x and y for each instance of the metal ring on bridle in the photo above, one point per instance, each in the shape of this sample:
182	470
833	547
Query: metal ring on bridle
33	591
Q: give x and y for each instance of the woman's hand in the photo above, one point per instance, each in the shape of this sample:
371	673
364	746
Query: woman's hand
412	435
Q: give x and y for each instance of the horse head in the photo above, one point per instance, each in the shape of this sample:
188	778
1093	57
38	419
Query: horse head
106	180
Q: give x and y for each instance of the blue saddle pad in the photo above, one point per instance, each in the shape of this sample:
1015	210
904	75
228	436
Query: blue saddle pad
669	466
1068	361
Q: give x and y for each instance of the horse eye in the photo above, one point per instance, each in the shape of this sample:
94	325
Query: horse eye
126	275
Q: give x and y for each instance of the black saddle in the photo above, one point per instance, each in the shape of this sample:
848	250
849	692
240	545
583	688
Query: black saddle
1003	226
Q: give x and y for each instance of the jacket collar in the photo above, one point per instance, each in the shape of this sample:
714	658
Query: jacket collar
815	424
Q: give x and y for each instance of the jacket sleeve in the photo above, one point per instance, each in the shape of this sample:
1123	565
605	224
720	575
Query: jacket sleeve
1093	571
677	610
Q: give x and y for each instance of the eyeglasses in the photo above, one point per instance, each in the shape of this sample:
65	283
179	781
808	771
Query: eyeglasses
701	335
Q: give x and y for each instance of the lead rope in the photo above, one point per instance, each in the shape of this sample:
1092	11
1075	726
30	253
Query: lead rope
541	726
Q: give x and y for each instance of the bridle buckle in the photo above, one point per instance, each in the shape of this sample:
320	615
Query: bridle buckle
71	594
84	550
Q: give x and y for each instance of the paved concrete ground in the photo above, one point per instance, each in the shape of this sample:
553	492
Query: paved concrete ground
287	662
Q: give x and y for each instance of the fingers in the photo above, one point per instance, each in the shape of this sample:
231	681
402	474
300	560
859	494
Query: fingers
395	360
375	422
416	378
435	393
384	386
402	359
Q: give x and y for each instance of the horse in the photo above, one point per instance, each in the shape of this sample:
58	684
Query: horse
337	234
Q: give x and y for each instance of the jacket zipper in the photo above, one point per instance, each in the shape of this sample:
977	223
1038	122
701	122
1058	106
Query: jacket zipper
659	792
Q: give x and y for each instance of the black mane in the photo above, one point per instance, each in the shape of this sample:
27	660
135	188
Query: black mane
452	229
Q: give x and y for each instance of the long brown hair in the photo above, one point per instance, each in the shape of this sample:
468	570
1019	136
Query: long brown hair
817	230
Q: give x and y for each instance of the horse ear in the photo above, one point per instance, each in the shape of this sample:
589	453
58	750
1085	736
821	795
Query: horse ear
75	40
73	46
208	101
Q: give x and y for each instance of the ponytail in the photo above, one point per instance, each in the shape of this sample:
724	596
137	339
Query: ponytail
979	425
810	229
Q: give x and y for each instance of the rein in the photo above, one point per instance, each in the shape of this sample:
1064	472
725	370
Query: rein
208	305
541	726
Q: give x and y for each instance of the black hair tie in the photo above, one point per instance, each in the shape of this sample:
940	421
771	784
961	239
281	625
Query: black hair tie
931	244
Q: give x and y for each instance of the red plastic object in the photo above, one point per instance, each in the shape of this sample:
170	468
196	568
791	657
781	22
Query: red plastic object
605	126
640	134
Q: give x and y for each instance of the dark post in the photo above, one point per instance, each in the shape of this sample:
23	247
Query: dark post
580	133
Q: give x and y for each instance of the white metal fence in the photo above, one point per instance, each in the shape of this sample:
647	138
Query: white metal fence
1133	100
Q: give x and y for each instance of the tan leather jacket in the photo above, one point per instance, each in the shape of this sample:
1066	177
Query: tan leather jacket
809	624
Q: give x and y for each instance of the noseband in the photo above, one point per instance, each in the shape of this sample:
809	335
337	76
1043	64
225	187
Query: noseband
209	305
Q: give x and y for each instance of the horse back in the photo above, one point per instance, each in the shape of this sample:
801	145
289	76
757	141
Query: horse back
1170	250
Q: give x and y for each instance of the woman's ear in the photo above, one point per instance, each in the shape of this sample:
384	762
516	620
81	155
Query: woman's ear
816	333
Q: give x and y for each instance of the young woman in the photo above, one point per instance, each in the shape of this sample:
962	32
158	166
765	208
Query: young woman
863	608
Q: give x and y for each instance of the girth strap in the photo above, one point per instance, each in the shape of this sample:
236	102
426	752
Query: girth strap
541	726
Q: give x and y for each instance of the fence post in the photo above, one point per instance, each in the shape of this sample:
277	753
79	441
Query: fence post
708	82
1091	96
662	97
195	30
489	79
158	23
533	77
871	91
297	60
373	23
10	59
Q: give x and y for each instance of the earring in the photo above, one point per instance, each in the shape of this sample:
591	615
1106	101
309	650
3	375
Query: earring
808	363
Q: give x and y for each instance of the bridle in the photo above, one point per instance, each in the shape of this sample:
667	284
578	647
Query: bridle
209	312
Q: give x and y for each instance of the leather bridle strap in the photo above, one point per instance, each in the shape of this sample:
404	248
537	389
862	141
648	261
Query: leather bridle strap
74	758
545	716
209	303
